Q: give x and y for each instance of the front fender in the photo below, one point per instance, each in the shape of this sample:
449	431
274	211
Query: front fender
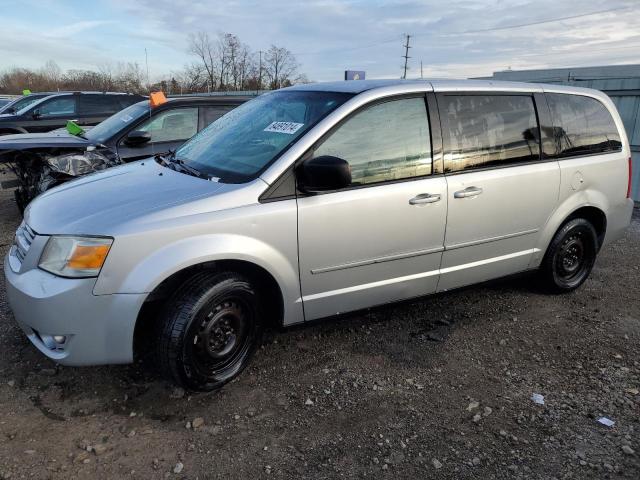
148	273
579	199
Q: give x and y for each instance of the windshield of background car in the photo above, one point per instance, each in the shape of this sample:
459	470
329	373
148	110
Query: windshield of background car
21	103
116	122
240	145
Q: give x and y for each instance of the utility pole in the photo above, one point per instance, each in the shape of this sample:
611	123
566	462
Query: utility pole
260	72
421	69
406	56
146	61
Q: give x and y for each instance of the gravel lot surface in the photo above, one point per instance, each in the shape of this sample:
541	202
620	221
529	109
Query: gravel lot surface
439	388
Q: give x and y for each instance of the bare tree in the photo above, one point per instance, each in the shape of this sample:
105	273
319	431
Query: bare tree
201	45
106	74
192	79
16	80
280	66
52	75
129	77
223	63
243	66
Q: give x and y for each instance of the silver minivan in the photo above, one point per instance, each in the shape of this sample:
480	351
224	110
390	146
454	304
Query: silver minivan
313	201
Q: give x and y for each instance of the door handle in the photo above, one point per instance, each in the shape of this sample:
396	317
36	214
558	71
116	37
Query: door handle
468	192
424	198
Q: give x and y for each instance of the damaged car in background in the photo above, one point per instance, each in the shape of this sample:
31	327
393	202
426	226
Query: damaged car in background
41	161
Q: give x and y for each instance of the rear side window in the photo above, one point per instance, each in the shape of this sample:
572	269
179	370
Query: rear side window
126	100
385	142
58	106
489	130
212	113
173	125
98	104
582	125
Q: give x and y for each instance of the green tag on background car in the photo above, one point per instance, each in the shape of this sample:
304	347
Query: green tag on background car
73	128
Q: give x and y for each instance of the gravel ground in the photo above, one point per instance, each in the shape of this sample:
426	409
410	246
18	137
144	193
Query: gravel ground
439	388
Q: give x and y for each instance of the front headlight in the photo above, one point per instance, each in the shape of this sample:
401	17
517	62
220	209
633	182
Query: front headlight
77	164
75	256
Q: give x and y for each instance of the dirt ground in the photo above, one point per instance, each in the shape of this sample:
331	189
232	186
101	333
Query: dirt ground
439	388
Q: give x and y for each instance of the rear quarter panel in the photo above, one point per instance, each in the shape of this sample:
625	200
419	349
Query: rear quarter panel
594	180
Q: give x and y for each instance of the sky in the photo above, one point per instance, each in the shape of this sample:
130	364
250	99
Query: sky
452	38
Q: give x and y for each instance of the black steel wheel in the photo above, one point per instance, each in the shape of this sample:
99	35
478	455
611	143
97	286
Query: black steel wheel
570	256
211	328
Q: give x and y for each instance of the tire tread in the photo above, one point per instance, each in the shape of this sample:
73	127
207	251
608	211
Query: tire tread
180	308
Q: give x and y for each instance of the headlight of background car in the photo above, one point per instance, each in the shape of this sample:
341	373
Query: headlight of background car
75	256
76	164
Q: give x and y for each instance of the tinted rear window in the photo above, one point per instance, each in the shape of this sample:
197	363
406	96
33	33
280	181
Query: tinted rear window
126	100
582	125
211	113
489	130
98	104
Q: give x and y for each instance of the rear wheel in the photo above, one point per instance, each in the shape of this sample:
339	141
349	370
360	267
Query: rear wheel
570	256
210	330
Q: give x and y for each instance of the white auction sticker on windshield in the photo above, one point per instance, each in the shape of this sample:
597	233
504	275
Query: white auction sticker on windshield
284	127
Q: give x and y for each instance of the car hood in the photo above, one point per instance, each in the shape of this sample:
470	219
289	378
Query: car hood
26	141
106	202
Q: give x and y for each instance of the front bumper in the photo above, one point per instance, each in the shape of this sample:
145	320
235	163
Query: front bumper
98	328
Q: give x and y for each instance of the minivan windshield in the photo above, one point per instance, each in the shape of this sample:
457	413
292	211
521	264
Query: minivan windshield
240	145
116	122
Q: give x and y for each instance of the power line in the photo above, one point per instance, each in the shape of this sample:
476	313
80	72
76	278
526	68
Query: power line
507	27
540	22
566	54
491	29
569	52
260	73
406	56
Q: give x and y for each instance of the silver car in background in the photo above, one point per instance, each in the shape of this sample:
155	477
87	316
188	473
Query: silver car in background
313	201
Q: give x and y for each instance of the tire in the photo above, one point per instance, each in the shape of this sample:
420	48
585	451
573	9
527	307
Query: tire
209	331
570	256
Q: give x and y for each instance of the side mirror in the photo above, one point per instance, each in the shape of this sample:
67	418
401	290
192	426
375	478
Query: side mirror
137	138
36	114
325	173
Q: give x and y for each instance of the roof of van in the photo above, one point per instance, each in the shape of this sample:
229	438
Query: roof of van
359	86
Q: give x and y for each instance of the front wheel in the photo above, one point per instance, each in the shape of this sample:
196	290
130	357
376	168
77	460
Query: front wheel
210	330
570	256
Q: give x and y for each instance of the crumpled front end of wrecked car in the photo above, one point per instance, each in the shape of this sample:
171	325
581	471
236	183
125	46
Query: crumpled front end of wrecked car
38	170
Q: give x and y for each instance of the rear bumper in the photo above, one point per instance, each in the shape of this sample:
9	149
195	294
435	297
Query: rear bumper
618	221
98	328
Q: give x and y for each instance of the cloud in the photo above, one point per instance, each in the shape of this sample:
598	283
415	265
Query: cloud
330	36
66	31
21	47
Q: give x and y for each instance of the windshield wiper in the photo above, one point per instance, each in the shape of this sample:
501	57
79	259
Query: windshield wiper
177	164
189	169
162	160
